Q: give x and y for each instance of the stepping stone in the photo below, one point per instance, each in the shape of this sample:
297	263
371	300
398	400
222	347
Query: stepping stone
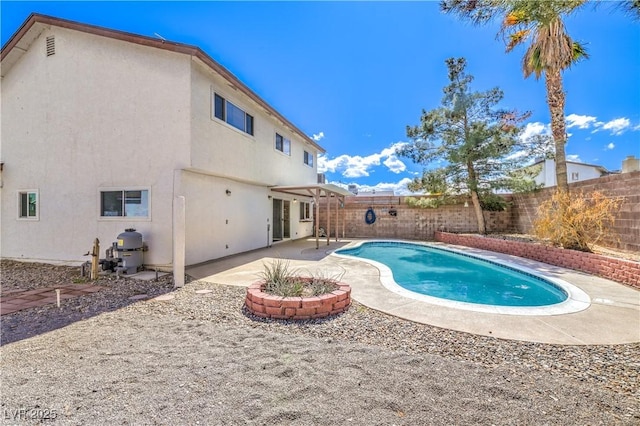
203	291
164	297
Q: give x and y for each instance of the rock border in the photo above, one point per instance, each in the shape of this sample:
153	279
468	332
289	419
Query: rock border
265	305
619	270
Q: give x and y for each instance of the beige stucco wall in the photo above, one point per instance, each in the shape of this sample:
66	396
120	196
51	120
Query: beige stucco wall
227	151
547	175
108	114
217	224
100	113
224	157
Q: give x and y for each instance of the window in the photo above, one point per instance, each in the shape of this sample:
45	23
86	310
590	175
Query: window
283	144
574	176
308	159
28	204
305	211
124	203
228	112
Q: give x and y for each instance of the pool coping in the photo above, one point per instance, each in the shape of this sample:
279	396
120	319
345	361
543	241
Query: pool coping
577	300
612	318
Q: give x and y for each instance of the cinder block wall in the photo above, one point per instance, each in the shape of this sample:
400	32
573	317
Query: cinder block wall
421	224
408	222
626	231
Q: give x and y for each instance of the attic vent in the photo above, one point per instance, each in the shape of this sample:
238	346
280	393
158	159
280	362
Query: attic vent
51	46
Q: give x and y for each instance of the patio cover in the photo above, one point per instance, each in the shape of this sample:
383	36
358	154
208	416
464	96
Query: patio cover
316	191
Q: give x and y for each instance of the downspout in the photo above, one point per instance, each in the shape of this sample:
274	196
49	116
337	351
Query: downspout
337	216
316	200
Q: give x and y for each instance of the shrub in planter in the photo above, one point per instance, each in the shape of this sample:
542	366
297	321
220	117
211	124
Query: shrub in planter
286	294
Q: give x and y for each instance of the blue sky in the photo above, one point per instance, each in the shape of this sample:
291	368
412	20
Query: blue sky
353	75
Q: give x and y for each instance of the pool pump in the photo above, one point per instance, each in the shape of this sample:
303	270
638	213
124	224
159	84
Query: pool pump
125	255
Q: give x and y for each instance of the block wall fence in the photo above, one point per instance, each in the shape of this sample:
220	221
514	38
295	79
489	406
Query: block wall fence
626	231
395	219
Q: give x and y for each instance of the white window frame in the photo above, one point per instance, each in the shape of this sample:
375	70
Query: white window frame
575	176
36	217
305	211
225	118
125	218
308	158
286	145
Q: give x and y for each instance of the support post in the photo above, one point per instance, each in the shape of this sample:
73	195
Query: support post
179	238
328	195
317	217
337	217
344	214
95	257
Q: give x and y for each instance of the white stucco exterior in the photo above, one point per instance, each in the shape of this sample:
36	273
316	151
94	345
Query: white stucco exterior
114	111
575	172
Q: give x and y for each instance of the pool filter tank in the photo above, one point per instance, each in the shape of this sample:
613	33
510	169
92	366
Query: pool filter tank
125	255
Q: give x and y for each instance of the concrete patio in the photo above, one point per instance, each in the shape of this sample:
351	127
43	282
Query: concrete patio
612	318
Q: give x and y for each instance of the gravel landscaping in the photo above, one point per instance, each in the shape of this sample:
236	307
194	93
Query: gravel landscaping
118	356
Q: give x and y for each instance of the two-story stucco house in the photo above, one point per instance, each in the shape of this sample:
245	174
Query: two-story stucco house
546	172
104	130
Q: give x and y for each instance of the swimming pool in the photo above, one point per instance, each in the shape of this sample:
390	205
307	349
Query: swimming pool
453	278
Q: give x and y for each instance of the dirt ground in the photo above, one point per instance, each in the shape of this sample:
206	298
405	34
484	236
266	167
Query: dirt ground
117	358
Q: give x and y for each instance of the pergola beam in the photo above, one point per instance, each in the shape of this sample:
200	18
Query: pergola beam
316	191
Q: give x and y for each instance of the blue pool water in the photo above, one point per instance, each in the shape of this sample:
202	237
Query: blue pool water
444	274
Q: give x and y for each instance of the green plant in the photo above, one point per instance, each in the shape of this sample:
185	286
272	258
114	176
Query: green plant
491	202
319	283
426	202
280	280
575	221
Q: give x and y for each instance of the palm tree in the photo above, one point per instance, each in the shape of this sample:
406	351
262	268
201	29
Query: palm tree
632	8
550	50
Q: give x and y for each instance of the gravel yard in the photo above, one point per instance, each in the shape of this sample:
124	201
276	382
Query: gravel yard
107	358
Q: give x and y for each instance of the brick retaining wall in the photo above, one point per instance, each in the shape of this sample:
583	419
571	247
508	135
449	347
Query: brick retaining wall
619	270
266	305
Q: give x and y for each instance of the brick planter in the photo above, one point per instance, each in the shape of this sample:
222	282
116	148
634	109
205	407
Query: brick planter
266	305
619	270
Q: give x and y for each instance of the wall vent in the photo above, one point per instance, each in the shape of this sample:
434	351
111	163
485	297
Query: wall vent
51	46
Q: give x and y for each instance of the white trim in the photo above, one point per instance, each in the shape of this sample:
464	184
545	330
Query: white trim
19	193
577	300
124	218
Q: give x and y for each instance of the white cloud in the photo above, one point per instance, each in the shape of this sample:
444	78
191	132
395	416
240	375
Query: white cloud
357	166
394	164
534	129
580	121
398	188
617	126
317	137
574	157
610	146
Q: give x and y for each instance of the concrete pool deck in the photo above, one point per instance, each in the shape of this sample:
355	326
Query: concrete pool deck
612	318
